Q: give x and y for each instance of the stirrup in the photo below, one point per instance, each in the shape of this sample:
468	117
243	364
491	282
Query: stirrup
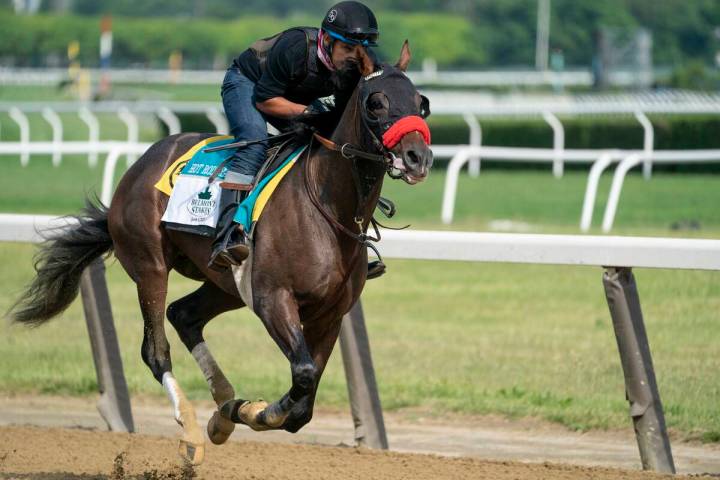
376	269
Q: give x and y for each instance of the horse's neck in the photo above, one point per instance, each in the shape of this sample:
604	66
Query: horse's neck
337	175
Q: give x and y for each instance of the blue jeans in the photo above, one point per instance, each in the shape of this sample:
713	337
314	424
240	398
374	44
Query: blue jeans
246	122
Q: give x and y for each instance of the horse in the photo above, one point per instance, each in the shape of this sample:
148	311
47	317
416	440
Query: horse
308	260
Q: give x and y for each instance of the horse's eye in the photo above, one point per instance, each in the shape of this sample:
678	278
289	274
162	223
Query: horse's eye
424	106
376	103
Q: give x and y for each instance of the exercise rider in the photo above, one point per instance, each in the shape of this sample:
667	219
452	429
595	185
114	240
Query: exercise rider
279	78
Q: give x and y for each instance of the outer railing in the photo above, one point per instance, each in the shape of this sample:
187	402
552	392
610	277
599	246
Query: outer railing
54	76
600	160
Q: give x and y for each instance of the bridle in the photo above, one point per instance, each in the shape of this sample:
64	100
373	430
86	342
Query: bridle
370	125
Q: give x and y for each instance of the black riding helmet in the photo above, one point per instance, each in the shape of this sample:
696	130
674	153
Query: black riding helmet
353	23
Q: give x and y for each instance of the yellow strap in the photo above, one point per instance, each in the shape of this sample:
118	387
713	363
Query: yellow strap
168	179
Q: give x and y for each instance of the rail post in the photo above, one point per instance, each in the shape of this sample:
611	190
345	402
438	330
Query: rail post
171	121
648	143
114	403
21	120
360	375
91	120
558	166
641	388
598	166
55	122
621	171
475	140
133	128
451	183
218	120
109	175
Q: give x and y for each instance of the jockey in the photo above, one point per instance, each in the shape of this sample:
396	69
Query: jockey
279	78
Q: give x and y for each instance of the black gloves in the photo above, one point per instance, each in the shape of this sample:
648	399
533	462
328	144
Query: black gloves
318	107
320	115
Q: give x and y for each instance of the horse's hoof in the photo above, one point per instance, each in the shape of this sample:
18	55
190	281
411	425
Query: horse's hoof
192	453
249	414
219	428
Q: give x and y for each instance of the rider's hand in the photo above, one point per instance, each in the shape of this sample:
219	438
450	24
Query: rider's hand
320	115
319	106
302	129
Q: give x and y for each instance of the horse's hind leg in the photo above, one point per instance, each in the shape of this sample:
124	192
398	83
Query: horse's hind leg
189	315
152	292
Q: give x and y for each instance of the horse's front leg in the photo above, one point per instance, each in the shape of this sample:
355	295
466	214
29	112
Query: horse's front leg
279	313
320	338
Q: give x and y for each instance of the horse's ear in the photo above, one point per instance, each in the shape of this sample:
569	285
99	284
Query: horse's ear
404	61
367	66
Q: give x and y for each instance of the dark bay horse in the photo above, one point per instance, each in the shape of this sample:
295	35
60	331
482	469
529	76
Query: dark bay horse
305	271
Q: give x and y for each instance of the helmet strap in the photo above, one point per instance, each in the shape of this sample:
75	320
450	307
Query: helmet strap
325	53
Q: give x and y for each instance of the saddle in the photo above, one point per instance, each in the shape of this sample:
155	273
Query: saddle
193	181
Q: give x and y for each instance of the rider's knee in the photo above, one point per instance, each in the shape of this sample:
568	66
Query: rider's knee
249	160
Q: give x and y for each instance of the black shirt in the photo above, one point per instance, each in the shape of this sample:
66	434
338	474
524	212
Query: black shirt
292	69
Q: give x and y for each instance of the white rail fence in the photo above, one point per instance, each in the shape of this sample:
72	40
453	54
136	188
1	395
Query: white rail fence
114	151
600	160
469	105
617	255
54	76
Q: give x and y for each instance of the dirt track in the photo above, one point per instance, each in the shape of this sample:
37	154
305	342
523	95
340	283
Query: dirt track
59	437
34	452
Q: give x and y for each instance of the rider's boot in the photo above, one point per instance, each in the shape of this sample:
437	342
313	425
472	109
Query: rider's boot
230	246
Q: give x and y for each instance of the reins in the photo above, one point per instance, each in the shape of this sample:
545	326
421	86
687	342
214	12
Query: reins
361	237
348	151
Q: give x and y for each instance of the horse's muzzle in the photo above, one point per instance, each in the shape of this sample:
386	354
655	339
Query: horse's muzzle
417	158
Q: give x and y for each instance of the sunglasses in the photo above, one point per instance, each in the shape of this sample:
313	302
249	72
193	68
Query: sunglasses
364	39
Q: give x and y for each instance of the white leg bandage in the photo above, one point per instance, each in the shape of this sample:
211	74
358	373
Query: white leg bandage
173	391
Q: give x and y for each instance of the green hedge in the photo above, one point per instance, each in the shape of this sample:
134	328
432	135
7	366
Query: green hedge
30	40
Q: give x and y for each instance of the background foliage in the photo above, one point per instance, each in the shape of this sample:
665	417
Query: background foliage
458	33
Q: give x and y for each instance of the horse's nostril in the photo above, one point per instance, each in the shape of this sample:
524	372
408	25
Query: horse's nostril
412	158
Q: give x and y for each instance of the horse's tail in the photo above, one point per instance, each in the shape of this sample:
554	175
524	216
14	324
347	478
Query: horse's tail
59	264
